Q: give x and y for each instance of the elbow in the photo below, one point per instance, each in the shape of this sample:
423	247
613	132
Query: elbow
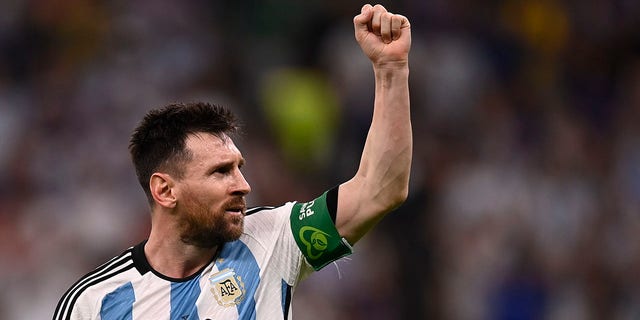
399	197
396	197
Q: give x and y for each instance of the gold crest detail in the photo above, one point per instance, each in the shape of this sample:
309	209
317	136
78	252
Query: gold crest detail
227	287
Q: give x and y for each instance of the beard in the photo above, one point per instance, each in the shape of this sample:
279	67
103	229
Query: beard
204	227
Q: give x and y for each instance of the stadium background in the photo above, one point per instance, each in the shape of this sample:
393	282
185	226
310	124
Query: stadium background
525	192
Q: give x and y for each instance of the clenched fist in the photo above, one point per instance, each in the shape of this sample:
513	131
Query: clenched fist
383	36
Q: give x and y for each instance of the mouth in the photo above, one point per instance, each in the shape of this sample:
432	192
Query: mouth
235	211
237	208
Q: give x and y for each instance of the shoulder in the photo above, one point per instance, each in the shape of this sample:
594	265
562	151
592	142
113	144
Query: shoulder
89	287
268	214
260	210
266	223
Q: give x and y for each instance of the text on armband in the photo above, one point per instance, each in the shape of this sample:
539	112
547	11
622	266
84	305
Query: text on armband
305	210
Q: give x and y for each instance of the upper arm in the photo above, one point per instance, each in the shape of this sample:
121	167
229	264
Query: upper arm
361	206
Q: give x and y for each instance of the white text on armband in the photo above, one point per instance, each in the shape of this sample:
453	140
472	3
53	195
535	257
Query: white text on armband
306	211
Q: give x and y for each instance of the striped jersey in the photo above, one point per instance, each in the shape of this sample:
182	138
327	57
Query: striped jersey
250	278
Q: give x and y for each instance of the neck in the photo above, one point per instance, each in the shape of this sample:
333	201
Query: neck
168	255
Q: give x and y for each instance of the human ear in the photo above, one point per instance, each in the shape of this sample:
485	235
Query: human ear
161	186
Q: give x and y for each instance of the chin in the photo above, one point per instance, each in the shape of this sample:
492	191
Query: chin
236	226
232	232
235	232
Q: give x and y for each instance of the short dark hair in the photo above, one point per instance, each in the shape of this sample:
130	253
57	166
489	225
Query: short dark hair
158	143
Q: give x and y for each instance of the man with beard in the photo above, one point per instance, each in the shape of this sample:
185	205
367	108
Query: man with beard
207	256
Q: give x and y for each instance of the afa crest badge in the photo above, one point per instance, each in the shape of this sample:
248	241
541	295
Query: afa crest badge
227	287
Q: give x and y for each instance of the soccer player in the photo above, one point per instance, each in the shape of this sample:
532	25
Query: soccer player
207	256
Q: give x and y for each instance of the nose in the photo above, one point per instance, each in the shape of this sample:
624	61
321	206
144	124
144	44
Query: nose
241	186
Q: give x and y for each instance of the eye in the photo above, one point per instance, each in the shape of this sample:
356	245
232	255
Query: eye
222	170
226	168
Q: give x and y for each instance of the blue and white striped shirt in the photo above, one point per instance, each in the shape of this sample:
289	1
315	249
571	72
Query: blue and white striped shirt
250	278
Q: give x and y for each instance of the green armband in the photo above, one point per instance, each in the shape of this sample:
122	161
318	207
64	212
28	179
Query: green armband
316	234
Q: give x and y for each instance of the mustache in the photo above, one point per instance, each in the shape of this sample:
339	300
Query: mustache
236	203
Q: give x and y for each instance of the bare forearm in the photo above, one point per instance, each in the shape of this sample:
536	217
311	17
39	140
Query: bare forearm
386	158
382	180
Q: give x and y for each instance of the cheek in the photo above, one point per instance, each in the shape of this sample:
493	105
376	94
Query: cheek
212	191
204	202
206	194
199	206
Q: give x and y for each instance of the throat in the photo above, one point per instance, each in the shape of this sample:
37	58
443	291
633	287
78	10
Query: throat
177	260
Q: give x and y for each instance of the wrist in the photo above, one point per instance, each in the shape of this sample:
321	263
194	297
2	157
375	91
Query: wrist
391	69
397	65
390	76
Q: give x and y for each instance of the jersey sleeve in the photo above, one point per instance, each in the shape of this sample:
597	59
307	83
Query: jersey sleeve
296	238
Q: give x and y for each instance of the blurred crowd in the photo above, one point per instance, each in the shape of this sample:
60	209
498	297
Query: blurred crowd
525	191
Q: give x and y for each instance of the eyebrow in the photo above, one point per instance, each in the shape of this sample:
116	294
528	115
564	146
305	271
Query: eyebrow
227	163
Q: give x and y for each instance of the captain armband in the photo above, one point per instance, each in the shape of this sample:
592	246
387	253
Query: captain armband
316	233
